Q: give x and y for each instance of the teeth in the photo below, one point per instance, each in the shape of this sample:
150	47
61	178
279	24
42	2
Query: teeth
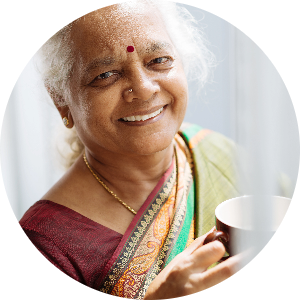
144	117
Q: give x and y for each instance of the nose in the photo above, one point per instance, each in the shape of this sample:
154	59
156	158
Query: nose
142	85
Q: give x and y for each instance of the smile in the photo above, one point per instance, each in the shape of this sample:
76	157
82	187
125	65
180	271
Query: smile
143	117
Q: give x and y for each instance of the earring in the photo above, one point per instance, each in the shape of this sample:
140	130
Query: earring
66	121
130	91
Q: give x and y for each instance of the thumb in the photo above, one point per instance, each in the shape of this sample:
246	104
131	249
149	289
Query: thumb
198	242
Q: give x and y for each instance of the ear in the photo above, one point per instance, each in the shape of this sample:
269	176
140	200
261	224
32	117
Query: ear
64	112
59	102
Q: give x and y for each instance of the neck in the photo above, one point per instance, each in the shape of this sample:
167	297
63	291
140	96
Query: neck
115	168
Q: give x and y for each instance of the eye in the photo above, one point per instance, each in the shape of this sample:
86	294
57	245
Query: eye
105	79
160	60
161	63
105	75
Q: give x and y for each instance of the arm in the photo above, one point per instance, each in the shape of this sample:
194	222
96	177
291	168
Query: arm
55	255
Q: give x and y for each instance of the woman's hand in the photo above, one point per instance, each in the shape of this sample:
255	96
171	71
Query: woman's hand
187	273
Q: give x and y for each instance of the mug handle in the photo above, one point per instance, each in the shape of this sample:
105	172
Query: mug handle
217	235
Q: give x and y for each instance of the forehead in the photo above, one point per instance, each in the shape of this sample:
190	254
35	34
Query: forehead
118	26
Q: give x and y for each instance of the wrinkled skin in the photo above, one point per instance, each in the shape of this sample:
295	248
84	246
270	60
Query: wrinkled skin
153	71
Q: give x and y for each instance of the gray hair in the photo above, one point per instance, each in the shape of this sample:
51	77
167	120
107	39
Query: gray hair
55	59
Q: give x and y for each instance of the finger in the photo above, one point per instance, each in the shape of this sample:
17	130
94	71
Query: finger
206	255
198	242
220	272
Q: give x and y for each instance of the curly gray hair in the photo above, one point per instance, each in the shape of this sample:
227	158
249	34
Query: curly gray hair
55	57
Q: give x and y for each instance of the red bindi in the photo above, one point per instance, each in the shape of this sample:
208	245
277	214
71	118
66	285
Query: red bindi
130	48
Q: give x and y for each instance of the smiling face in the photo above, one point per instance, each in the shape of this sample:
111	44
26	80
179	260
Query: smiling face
128	91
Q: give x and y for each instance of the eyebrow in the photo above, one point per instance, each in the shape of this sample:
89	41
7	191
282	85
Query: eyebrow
100	62
156	46
108	61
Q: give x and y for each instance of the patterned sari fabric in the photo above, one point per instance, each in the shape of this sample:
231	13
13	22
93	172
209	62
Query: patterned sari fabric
180	208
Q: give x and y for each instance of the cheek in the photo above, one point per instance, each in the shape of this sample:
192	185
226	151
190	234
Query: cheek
93	106
82	110
177	86
91	116
92	122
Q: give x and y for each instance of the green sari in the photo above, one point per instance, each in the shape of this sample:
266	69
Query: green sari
180	208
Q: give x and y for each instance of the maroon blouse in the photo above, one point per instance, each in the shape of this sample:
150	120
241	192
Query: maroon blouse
75	244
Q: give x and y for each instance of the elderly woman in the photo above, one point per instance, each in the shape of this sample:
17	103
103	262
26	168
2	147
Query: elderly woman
125	217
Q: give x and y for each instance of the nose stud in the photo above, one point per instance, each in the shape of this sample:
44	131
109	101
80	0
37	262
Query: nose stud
130	91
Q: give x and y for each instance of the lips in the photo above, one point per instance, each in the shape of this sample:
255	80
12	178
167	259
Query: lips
143	117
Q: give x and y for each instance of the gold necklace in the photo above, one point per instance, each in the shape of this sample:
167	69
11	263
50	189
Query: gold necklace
106	187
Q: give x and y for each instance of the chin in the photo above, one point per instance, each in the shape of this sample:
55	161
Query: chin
155	144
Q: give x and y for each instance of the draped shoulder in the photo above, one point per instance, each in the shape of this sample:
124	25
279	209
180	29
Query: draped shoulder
75	244
216	176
